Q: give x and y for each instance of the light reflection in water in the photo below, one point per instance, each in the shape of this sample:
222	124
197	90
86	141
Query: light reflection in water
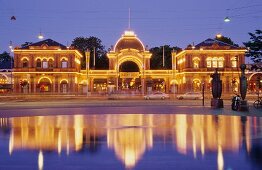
130	136
40	160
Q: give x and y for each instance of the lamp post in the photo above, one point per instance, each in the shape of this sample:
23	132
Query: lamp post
87	70
117	67
173	54
11	64
259	85
203	94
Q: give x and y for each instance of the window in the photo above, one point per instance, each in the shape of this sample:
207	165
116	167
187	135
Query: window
234	62
221	62
196	62
45	64
38	63
25	63
51	63
209	65
214	62
64	64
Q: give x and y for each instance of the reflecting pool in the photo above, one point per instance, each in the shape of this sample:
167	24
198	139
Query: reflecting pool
131	141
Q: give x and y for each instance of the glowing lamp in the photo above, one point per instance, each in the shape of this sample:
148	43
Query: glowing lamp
219	35
227	19
40	36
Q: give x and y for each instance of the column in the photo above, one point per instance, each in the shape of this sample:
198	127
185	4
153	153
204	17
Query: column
167	83
35	82
58	90
92	85
54	83
30	85
143	86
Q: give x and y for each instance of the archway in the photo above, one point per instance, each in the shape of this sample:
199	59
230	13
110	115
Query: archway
44	85
255	83
174	86
3	83
64	86
129	77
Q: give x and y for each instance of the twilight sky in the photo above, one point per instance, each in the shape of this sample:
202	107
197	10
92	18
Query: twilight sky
156	22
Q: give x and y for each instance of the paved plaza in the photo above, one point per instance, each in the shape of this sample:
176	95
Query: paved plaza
51	105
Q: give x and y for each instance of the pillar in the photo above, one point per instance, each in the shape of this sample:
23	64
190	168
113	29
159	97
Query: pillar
34	84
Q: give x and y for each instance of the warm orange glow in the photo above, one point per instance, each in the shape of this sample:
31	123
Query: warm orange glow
54	51
219	35
220	159
40	160
130	136
120	139
44	78
78	126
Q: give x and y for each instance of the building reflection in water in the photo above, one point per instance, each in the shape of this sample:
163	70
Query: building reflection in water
130	136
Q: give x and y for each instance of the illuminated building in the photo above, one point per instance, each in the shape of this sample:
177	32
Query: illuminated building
46	66
50	67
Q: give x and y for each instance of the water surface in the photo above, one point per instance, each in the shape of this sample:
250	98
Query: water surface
131	141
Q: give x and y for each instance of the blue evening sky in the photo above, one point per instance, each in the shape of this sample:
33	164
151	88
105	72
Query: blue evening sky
172	22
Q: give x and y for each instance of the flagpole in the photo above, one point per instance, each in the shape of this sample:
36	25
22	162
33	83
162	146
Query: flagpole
163	56
94	56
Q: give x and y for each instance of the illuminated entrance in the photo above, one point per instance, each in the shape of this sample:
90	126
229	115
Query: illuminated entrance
44	85
129	77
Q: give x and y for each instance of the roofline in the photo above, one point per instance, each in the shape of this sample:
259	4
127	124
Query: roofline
209	50
133	36
219	42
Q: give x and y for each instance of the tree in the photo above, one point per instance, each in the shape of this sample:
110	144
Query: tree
254	46
226	40
91	43
5	60
157	57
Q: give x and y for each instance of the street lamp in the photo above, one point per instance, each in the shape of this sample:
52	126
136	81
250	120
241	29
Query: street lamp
11	63
40	36
87	53
219	35
227	19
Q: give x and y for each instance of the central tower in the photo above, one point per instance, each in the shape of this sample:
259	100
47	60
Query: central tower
129	49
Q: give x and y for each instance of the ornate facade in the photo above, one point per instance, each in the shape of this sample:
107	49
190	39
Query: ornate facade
46	67
50	67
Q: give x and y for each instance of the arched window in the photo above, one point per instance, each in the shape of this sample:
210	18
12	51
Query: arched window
38	63
25	63
234	62
221	62
209	59
45	63
196	85
64	63
51	63
214	62
196	61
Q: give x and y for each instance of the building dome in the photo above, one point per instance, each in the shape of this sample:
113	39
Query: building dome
129	40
